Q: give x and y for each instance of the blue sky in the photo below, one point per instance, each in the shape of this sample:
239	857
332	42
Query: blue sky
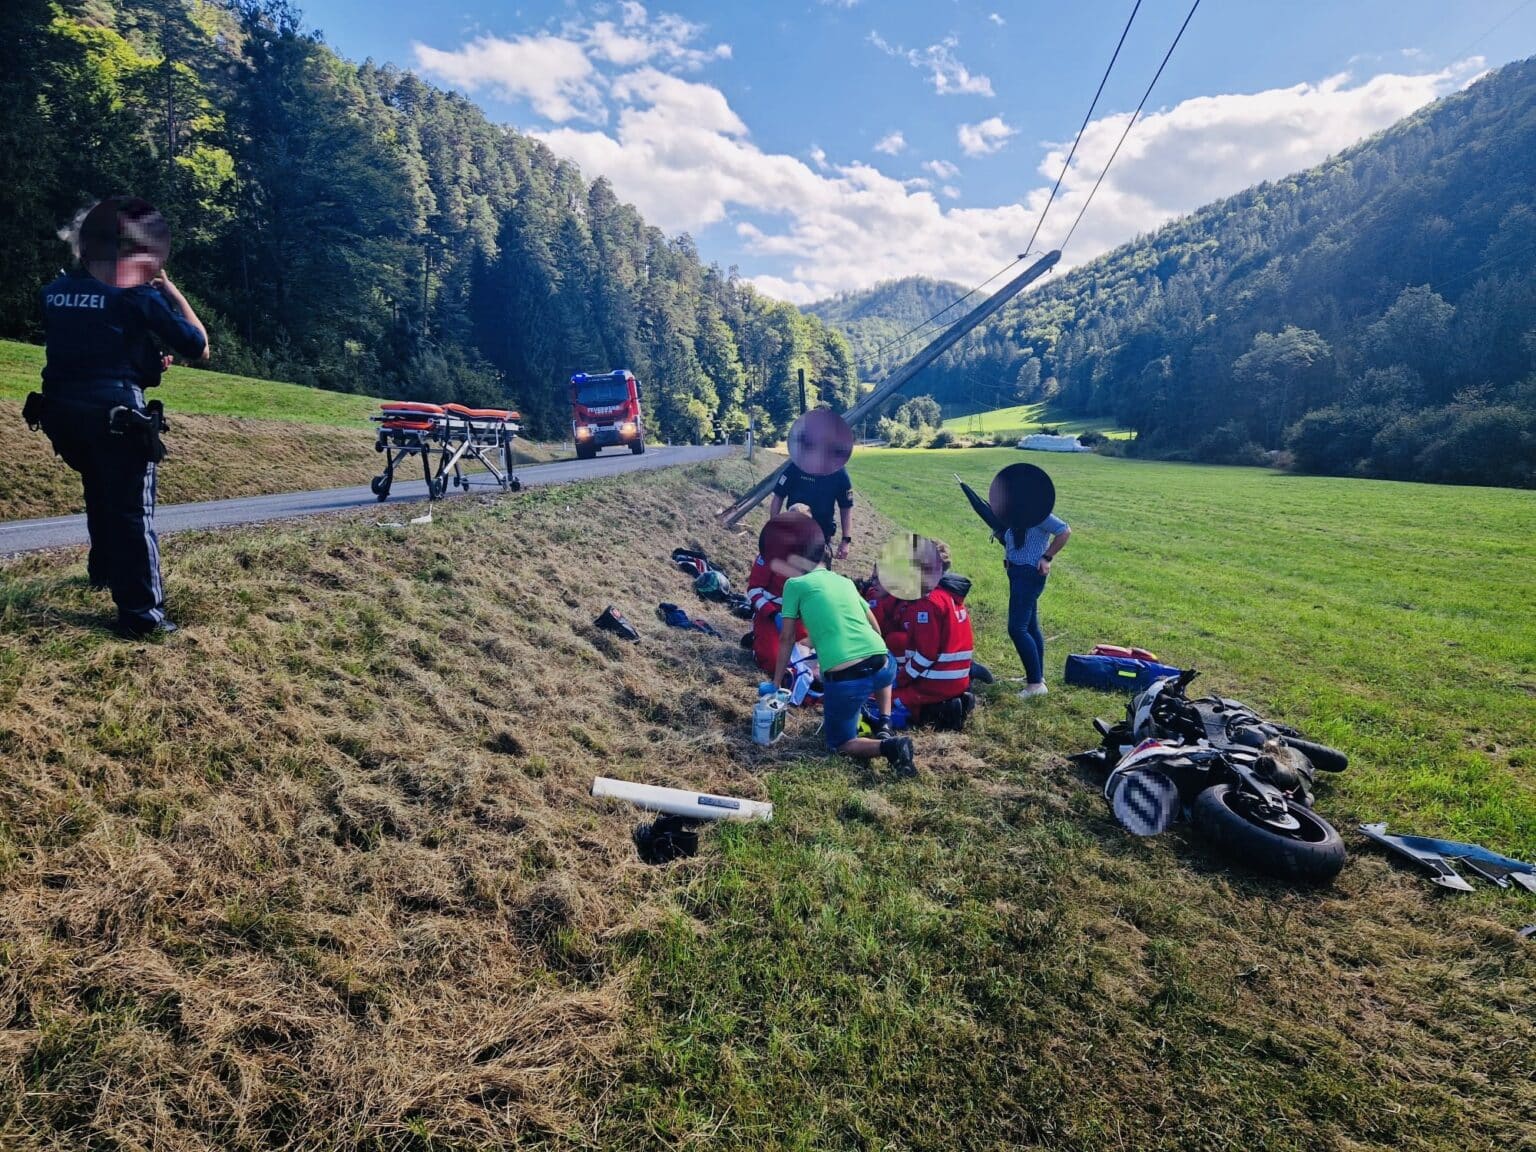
824	145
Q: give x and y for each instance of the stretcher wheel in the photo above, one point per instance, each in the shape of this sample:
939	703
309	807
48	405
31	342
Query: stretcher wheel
515	485
380	486
438	488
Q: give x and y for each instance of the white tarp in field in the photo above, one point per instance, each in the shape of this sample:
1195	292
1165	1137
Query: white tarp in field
1043	443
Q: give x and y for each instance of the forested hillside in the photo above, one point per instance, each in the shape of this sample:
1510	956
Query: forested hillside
1375	315
875	320
354	228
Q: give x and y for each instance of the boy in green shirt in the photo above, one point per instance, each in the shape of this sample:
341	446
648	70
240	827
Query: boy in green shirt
854	661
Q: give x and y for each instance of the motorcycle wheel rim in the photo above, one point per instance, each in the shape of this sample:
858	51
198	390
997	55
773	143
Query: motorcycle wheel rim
1290	825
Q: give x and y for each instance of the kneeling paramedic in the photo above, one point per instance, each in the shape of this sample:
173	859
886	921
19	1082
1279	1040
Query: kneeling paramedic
854	662
109	322
935	666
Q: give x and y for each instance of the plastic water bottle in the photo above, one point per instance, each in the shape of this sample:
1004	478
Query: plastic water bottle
768	715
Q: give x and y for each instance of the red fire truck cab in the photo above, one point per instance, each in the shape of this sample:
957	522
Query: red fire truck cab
605	411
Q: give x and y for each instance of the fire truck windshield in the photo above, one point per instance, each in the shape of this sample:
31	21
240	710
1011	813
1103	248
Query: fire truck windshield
602	393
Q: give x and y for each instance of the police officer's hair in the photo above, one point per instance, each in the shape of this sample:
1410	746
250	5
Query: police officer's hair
70	233
125	224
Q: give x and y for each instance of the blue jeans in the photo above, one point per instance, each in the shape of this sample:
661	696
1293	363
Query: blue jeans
1024	588
842	699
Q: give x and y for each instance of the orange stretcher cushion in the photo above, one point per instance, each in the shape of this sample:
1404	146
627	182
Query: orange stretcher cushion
411	406
480	413
408	425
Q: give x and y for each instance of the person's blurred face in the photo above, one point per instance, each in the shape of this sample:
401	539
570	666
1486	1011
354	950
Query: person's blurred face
135	269
820	442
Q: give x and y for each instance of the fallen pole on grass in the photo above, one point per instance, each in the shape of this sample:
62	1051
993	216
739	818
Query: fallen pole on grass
899	379
679	802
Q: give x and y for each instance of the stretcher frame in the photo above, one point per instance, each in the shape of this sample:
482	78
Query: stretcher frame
450	434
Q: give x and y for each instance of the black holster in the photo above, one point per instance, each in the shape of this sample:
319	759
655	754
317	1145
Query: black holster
32	411
145	427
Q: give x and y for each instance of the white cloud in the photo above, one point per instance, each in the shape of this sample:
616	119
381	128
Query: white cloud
1208	147
983	139
950	191
558	74
705	108
948	76
685	158
665	38
943	169
996	19
891	143
552	74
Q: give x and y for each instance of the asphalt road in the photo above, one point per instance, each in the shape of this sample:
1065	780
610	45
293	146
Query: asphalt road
63	531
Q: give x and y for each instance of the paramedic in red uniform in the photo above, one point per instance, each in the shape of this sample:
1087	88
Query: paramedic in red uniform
108	324
936	662
765	593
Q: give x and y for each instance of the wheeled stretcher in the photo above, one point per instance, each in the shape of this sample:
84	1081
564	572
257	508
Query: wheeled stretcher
449	435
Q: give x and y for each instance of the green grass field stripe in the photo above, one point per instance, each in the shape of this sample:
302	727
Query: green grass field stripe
209	393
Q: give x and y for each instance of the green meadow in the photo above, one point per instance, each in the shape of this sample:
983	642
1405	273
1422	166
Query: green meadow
323	870
985	960
1022	419
1396	621
204	393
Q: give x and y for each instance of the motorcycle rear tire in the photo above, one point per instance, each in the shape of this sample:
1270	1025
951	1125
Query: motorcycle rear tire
1313	854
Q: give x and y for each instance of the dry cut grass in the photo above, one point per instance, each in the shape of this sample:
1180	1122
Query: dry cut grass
323	871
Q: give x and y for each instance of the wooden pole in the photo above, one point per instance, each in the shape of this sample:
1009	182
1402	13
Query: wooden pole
899	379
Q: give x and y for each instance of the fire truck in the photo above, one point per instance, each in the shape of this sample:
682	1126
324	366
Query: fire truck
605	412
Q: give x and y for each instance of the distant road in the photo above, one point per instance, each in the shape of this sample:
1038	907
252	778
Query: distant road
63	531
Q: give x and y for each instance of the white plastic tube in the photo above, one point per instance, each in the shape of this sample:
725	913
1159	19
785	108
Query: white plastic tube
677	802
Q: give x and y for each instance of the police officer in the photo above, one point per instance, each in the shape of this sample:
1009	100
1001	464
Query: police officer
109	323
822	496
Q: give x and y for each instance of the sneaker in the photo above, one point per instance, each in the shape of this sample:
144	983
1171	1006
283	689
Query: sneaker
612	620
135	630
897	751
1032	690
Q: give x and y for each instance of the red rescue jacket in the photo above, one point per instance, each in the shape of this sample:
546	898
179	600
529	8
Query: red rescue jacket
936	664
765	594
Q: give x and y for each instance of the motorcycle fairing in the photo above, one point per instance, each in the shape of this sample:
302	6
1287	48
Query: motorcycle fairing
1435	856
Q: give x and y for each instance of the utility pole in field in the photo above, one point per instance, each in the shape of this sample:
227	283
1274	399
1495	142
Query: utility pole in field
903	375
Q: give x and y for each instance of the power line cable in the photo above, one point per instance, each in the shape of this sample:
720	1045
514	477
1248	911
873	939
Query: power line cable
1051	199
917	327
1124	32
1505	19
1130	123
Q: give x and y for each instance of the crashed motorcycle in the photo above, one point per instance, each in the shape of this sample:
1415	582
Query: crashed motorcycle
1246	782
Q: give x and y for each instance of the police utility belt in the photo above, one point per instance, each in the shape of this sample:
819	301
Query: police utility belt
144	427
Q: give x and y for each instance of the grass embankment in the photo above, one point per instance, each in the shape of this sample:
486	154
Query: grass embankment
230	436
1023	419
322	872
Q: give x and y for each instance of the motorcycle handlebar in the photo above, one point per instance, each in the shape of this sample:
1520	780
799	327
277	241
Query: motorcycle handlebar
1323	757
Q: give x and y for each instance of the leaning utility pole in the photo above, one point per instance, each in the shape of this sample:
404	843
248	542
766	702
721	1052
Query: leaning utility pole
898	379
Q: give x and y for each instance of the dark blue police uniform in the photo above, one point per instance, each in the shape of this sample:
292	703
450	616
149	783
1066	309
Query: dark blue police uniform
103	349
823	495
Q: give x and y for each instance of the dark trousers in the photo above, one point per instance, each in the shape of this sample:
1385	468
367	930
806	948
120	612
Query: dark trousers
119	509
1024	588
